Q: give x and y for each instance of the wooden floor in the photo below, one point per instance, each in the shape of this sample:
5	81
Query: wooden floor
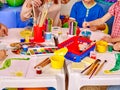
94	88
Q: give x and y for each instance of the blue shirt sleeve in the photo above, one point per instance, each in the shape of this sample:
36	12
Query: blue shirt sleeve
73	11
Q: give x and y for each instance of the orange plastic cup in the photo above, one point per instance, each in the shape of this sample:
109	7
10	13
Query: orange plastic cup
38	34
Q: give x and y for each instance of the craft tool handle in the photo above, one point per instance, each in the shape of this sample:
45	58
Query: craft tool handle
100	67
45	63
86	68
91	67
93	71
56	40
41	63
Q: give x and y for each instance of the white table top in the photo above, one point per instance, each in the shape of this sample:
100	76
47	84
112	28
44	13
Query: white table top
49	73
27	67
101	78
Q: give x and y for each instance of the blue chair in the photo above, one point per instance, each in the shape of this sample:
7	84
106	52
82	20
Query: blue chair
10	16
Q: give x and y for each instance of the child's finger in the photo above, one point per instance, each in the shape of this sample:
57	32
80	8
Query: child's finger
85	24
6	32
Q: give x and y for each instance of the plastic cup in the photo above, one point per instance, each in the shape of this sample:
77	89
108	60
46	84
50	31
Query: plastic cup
25	48
39	34
61	52
57	62
48	35
101	46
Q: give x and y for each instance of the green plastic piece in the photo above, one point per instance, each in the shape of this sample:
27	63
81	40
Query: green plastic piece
65	25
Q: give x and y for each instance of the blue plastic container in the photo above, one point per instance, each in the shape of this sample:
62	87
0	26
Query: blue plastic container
74	54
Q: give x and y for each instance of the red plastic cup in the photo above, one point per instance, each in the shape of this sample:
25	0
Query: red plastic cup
38	34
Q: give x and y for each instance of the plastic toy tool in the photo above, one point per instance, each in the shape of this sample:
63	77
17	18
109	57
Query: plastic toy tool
116	66
7	62
86	33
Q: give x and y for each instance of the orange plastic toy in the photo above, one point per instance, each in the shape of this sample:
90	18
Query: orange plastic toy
35	89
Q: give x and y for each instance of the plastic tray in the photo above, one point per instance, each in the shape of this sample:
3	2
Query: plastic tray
42	51
74	53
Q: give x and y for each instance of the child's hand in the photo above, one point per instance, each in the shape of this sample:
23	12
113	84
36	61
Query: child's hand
37	3
116	46
71	20
3	30
107	39
85	24
93	28
2	54
64	1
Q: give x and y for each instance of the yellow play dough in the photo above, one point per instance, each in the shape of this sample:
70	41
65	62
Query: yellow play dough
88	60
19	74
79	65
110	72
107	72
26	33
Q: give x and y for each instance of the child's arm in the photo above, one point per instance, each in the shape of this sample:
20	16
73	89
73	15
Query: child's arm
114	40
97	27
99	21
27	9
110	39
64	1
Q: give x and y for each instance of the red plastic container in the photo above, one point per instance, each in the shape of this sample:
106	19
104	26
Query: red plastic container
39	34
74	53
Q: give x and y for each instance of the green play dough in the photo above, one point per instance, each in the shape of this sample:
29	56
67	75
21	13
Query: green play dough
65	25
117	64
7	62
15	3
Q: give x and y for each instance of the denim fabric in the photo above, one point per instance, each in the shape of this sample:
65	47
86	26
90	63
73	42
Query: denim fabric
114	87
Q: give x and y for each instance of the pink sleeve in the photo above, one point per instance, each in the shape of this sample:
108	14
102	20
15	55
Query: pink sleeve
112	9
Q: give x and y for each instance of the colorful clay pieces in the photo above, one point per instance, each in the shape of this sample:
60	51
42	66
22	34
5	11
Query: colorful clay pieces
39	51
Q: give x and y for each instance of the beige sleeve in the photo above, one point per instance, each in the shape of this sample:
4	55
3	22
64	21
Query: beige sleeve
54	13
26	11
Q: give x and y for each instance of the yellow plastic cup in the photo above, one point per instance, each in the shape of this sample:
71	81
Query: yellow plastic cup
57	62
61	51
101	46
